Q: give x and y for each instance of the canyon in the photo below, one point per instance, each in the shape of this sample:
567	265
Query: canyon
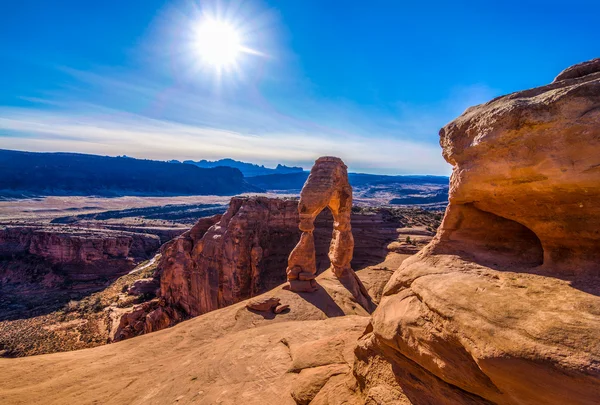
204	269
243	253
501	306
36	262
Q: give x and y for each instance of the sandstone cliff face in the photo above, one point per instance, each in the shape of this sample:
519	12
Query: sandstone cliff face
79	254
233	259
503	305
532	157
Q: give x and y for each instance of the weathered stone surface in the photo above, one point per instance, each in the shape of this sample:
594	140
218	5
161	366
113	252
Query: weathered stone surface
312	380
144	286
326	187
280	308
233	259
263	304
81	254
579	70
533	157
148	317
503	305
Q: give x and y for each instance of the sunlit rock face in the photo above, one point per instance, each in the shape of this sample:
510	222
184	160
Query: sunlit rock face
227	259
503	305
327	186
533	157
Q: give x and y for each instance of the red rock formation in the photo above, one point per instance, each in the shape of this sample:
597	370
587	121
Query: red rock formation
327	186
266	304
81	254
223	260
235	259
503	305
150	316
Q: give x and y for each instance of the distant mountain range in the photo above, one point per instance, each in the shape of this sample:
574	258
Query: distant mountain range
31	174
247	169
294	181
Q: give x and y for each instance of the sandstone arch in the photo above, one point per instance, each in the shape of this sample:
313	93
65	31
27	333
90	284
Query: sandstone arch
327	186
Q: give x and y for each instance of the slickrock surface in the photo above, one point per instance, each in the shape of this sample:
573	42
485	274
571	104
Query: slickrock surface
327	186
503	305
228	356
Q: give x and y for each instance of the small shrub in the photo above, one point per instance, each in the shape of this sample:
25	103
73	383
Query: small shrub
71	306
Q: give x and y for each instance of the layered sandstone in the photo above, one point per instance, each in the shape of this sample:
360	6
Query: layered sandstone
327	186
234	258
81	254
503	305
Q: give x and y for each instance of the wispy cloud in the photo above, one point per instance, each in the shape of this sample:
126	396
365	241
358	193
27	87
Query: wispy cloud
138	136
122	114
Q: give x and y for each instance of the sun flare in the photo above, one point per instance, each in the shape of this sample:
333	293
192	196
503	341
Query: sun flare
218	43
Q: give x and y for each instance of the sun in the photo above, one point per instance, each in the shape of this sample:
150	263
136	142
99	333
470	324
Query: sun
218	43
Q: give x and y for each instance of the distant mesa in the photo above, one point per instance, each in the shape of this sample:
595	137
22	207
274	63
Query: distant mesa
32	174
37	174
440	196
247	169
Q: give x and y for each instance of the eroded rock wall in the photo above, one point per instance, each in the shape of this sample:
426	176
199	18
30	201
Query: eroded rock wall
79	254
503	306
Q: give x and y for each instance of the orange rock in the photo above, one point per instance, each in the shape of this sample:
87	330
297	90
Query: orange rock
533	157
263	304
280	308
503	306
327	186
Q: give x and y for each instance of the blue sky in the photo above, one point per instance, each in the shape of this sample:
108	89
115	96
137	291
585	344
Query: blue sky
371	82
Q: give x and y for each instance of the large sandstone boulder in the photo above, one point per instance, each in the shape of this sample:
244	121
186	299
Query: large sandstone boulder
503	305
